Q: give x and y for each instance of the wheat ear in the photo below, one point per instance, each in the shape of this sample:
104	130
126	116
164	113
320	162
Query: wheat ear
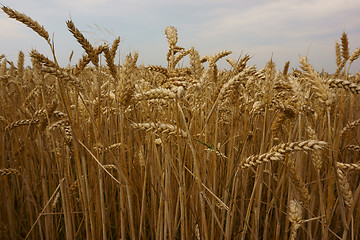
158	69
344	47
28	21
19	123
299	146
114	47
195	64
110	62
338	54
354	148
344	187
276	153
338	70
64	75
295	217
355	55
256	160
171	35
348	128
318	162
83	42
160	127
213	59
321	89
348	166
340	83
180	56
20	71
9	171
298	182
156	93
286	68
42	59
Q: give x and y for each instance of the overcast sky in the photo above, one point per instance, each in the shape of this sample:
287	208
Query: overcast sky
281	29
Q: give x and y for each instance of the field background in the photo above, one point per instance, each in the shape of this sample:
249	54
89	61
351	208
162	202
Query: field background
102	150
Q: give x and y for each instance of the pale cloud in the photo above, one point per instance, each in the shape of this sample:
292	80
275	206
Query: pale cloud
11	29
83	3
279	18
280	29
283	29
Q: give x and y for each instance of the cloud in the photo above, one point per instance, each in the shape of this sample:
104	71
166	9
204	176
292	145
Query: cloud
11	29
282	28
83	3
283	18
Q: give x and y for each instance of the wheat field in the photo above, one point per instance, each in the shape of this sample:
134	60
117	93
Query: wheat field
101	150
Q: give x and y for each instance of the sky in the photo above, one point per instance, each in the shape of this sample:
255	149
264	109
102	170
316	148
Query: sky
279	29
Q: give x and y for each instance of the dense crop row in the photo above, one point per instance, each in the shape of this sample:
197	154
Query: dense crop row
107	151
